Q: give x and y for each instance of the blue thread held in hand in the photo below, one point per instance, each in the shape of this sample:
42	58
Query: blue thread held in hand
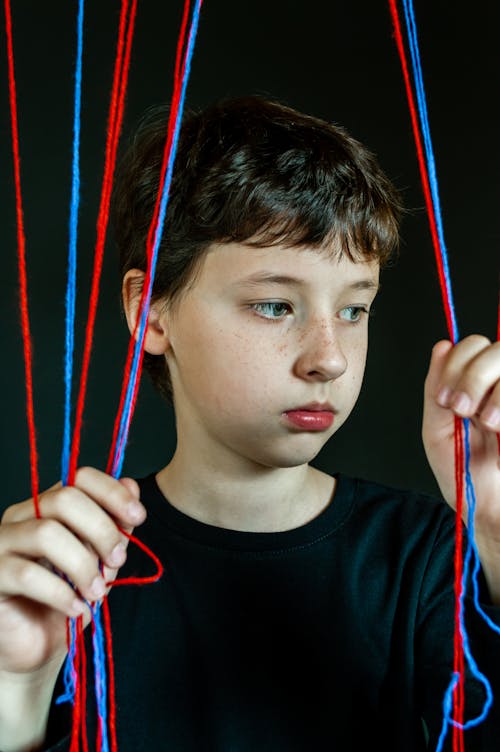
134	373
72	248
69	672
429	151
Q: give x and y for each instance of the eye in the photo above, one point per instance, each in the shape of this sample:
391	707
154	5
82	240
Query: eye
272	309
353	313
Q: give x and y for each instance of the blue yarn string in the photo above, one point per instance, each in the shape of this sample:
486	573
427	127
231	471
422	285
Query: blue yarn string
73	234
127	407
471	553
429	151
69	675
101	687
69	672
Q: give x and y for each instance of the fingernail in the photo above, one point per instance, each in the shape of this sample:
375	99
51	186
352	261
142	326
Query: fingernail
135	511
491	417
443	396
98	587
461	403
117	555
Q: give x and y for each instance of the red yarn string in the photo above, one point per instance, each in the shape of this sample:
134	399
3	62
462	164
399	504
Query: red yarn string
139	580
21	254
109	635
76	720
127	371
99	729
111	676
79	727
117	104
178	75
122	64
181	43
458	652
83	685
458	694
126	378
422	166
119	107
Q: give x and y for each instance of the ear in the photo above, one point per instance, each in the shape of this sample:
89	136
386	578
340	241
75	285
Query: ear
156	341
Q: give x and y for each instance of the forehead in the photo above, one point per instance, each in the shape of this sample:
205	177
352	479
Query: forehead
237	264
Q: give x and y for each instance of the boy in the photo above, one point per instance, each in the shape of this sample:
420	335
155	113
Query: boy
298	611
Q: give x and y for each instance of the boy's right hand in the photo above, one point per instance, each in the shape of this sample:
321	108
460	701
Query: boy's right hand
78	529
39	558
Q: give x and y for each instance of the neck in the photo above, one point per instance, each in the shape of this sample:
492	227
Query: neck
244	496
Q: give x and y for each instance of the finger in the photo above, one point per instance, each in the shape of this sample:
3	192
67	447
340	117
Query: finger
437	420
131	485
22	577
134	489
120	499
47	539
470	372
437	364
25	509
83	516
490	410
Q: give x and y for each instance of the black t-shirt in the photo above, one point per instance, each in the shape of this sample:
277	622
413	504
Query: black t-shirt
314	638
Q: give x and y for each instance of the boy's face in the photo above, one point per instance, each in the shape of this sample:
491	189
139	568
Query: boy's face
267	352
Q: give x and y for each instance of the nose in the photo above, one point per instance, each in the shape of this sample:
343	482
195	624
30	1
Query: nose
321	357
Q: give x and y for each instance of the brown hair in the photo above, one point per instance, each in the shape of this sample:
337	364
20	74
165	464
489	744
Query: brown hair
252	171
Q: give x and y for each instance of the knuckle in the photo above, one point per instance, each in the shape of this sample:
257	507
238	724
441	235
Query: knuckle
46	532
8	516
13	513
85	471
118	495
65	495
5	570
86	475
477	340
476	379
25	575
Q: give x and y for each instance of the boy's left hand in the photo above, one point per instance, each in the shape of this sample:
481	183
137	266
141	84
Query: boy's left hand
464	380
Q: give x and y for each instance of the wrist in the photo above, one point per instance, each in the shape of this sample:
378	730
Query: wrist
25	701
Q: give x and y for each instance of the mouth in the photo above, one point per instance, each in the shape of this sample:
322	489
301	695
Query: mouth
315	416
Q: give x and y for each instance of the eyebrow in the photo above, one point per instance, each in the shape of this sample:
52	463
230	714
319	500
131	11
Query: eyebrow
270	278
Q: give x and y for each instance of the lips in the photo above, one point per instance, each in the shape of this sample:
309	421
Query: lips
315	416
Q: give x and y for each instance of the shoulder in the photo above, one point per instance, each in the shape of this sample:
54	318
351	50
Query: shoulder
394	499
400	514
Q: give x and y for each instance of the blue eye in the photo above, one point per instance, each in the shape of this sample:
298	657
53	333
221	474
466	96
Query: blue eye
352	313
273	309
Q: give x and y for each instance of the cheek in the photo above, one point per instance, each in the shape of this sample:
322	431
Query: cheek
223	368
357	363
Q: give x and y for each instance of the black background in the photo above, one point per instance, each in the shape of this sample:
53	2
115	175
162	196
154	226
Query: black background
335	60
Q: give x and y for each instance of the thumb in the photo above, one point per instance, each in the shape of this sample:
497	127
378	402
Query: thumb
131	485
437	420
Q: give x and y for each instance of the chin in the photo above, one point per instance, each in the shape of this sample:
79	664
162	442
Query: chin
288	456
